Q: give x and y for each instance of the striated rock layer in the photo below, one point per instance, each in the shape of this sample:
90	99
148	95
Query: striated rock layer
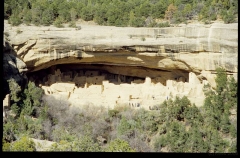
190	47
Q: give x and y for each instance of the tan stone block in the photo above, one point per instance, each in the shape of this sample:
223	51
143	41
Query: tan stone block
62	87
6	101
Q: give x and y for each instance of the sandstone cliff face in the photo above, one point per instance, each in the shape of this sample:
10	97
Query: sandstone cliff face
13	68
192	48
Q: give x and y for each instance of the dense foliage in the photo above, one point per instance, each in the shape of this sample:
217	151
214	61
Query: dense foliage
136	13
176	125
23	144
26	102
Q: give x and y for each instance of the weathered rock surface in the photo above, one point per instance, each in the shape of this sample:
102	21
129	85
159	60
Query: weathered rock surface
192	48
62	87
13	68
42	145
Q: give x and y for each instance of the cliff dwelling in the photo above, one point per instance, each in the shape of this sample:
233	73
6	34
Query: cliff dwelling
97	66
111	85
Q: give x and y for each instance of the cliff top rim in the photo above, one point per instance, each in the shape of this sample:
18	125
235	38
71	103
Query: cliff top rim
215	24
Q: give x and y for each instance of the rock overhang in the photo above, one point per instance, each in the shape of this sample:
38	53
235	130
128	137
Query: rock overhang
192	48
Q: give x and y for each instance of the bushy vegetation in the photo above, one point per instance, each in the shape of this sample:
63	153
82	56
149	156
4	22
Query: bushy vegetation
25	102
134	13
23	144
176	125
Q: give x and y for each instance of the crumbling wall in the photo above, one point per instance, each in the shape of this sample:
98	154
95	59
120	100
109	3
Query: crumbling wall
79	81
91	73
138	81
95	80
159	80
